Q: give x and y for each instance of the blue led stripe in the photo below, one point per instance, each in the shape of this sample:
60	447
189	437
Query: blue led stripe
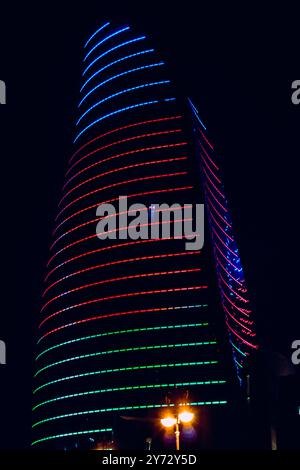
196	114
112	113
146	103
119	75
104	40
111	50
127	90
96	32
146	51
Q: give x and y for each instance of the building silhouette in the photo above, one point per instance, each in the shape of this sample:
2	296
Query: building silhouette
125	322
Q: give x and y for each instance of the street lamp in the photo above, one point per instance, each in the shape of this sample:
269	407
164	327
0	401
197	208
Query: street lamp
168	421
185	416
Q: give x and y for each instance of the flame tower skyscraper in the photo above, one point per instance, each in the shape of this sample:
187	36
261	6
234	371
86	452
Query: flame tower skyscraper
124	322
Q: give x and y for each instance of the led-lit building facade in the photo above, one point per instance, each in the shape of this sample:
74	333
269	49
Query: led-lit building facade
231	280
124	322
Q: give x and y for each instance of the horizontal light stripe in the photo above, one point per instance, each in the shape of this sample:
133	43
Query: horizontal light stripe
119	93
124	167
118	111
111	50
120	261
118	142
125	369
96	32
119	129
118	75
121	296
120	332
119	279
93	206
68	434
117	351
146	51
120	183
119	31
117	314
134	407
129	387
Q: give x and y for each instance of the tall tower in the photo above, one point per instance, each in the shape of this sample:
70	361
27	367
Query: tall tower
123	322
230	275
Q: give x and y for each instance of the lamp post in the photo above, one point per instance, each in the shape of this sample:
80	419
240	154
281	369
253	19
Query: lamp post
185	417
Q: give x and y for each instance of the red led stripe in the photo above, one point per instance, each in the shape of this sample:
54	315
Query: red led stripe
144	193
121	129
123	228
215	198
109	315
217	212
147	224
235	319
135	180
233	291
122	261
225	257
242	310
209	158
116	170
222	230
254	346
206	140
209	168
213	185
74	258
117	142
77	227
118	279
227	272
120	296
223	243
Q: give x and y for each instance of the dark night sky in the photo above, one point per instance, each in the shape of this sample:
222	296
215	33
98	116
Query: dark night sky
237	63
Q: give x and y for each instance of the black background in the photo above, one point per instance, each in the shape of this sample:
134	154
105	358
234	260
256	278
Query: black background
236	62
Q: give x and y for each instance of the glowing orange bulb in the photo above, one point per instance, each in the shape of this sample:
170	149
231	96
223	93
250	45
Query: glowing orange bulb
186	416
168	421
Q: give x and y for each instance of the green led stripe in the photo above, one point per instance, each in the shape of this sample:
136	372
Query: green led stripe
78	433
119	332
125	408
177	307
133	387
235	347
114	351
126	369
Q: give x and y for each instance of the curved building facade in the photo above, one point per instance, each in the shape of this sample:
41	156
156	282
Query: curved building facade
231	280
125	321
